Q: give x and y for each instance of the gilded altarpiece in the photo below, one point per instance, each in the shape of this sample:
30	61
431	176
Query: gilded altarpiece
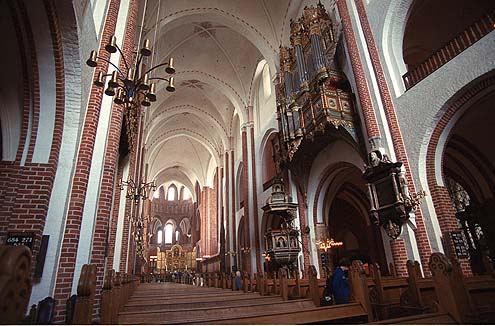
176	259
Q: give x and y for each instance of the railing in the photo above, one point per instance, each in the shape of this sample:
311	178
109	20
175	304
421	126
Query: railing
458	44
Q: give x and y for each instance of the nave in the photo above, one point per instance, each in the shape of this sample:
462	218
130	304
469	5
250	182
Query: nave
175	303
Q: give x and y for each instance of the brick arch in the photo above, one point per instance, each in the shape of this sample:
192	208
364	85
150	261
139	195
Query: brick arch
266	153
435	152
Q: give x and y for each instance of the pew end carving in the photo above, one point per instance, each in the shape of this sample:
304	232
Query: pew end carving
15	282
86	289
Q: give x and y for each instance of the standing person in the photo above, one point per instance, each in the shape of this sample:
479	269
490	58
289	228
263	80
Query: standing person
340	284
238	284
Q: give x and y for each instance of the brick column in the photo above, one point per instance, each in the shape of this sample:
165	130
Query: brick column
363	90
398	143
257	256
112	228
108	180
70	241
399	255
234	204
357	68
228	260
304	235
245	187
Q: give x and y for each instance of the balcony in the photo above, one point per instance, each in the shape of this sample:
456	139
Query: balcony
444	54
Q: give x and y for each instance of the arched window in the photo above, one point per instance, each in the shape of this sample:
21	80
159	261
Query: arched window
267	84
186	194
171	194
177	235
159	237
169	231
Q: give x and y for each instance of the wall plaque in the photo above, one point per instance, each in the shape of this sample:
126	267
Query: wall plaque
20	238
461	250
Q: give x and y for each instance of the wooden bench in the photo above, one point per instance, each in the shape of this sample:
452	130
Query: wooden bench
187	315
385	293
349	313
423	319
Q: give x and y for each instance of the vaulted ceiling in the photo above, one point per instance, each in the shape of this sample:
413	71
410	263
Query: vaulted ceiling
217	46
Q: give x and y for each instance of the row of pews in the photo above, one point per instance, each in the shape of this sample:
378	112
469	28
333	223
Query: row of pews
212	303
447	296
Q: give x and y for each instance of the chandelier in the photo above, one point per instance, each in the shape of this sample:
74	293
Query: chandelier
131	86
328	244
137	191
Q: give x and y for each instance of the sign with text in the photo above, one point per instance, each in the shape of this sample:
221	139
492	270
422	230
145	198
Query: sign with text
20	238
461	250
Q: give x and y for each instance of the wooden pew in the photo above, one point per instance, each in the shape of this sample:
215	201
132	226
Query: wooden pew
451	292
86	288
284	286
420	296
107	298
15	283
117	289
359	288
481	293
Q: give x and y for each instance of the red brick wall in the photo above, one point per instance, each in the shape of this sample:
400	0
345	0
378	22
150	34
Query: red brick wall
80	182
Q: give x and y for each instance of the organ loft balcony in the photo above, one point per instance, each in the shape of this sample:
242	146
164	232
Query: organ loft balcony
313	96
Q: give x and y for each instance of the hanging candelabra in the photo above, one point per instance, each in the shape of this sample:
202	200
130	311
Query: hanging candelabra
131	86
136	192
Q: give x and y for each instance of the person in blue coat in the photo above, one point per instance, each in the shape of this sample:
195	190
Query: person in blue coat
340	284
238	281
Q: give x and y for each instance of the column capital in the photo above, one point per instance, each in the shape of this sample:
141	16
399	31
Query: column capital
247	125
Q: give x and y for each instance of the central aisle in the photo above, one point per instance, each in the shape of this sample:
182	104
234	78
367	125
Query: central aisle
172	303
